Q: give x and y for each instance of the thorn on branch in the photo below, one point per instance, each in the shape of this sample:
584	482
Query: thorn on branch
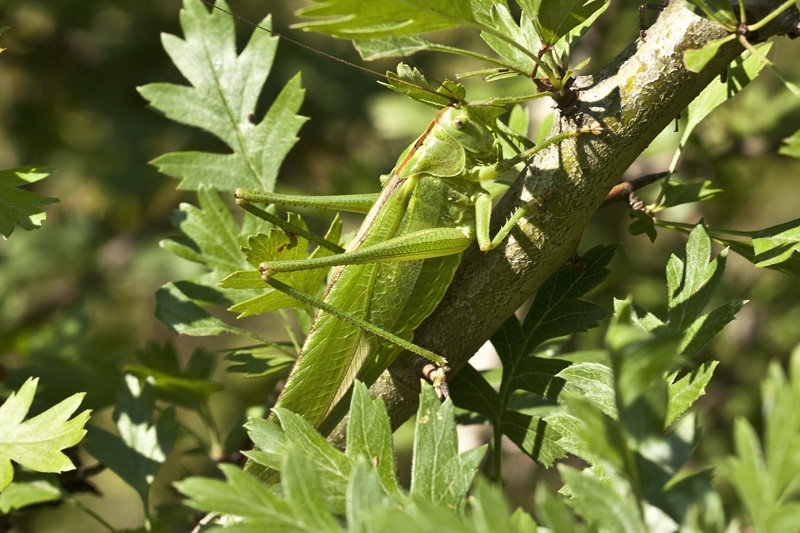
626	191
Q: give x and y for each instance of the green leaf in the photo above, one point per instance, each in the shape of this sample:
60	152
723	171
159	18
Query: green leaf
270	441
554	20
740	72
369	436
777	244
641	361
222	99
18	206
588	433
180	314
142	446
213	230
303	490
22	494
439	475
524	35
696	190
412	83
534	436
685	392
491	513
333	466
696	59
277	246
791	146
594	382
260	361
593	498
241	495
766	477
392	27
643	224
36	443
190	387
553	512
691	286
717	10
351	19
366	498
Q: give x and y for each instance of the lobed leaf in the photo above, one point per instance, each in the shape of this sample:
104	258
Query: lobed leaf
791	146
36	443
554	20
611	505
439	475
369	436
19	207
190	386
222	100
142	446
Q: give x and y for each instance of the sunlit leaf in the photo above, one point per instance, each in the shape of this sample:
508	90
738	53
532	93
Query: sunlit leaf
222	100
37	442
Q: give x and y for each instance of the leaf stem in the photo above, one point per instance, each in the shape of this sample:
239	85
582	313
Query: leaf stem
752	49
769	18
77	503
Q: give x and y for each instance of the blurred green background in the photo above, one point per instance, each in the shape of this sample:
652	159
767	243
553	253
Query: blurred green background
76	296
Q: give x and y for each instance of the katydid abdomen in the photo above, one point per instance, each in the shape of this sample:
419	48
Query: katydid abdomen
395	296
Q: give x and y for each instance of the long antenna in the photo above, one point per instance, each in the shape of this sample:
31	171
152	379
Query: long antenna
362	68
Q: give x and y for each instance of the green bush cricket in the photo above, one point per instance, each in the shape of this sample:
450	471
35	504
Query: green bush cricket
398	266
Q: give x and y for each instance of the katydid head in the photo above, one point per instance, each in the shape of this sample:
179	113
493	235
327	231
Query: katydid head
467	129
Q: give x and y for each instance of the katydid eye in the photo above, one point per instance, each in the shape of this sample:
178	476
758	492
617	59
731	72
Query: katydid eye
460	122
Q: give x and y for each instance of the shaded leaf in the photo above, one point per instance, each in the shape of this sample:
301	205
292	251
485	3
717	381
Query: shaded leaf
470	390
696	190
643	224
190	387
142	446
717	10
766	476
19	207
260	361
534	435
180	314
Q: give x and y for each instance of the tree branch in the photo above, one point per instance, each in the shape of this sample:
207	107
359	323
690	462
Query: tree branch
634	98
